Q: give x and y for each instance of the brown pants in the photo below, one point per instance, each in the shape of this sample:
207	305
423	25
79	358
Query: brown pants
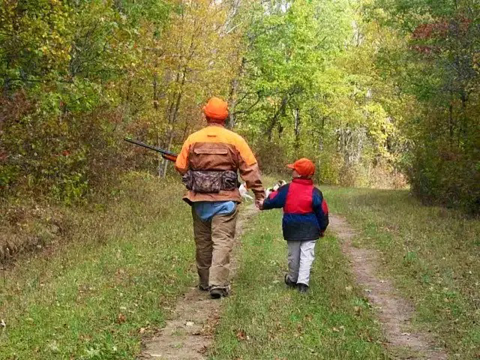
214	242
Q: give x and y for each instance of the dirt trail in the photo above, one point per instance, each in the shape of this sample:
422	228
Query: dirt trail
394	312
189	332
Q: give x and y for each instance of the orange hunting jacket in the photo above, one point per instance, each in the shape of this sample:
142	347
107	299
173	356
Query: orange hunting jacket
216	148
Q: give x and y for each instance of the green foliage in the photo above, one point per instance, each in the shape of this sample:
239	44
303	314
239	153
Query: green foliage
441	45
59	64
77	76
367	89
310	88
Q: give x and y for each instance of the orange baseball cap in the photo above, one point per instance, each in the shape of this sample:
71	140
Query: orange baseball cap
216	109
303	166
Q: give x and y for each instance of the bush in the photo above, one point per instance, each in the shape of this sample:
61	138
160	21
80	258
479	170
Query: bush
447	177
49	152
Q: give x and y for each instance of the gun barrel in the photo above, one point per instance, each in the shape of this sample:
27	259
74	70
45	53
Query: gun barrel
168	155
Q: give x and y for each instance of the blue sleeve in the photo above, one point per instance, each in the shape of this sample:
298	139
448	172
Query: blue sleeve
276	199
320	208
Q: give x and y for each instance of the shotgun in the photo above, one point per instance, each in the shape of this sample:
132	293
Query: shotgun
167	155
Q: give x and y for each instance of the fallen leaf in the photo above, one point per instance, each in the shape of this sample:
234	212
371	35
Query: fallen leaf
241	335
121	318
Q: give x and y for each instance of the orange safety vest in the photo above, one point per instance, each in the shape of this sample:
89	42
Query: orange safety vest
214	148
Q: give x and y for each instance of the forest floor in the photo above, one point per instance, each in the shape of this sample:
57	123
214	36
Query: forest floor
391	279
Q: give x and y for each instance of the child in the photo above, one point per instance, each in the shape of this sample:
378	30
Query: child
305	218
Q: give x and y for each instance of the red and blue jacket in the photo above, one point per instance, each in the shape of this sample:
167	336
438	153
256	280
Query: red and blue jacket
305	211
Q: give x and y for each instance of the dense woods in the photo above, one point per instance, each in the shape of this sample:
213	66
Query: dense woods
378	92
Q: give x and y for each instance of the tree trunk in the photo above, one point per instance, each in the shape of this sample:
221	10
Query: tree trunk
276	116
232	96
450	124
296	115
157	130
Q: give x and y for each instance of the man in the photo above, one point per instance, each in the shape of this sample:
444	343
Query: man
209	161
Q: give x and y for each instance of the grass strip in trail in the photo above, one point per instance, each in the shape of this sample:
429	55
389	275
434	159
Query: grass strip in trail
112	283
433	255
265	320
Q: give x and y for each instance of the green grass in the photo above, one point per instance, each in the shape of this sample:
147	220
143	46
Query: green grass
117	277
433	255
265	320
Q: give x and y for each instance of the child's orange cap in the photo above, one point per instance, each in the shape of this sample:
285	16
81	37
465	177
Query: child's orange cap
303	166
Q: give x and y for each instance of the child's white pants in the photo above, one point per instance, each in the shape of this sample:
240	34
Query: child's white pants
300	258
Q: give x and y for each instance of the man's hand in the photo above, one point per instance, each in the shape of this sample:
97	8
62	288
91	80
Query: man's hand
259	203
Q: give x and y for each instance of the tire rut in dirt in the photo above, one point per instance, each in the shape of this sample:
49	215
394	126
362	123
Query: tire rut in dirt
393	311
190	332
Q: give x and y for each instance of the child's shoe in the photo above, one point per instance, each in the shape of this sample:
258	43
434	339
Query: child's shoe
302	288
289	282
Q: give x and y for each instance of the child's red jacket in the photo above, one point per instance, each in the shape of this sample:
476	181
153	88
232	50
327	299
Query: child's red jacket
305	211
